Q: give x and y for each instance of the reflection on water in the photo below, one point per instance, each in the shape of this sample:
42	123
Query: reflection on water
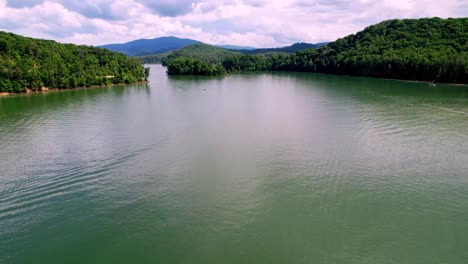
267	167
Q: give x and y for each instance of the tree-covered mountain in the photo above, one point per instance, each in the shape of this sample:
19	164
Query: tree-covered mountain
27	63
428	49
143	47
159	49
191	66
288	49
202	52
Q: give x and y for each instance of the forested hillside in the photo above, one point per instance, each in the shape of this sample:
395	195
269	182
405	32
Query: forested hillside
416	49
217	54
190	66
288	49
429	49
27	63
202	52
154	59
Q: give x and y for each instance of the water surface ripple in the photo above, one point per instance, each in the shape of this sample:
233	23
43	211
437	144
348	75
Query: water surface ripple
249	168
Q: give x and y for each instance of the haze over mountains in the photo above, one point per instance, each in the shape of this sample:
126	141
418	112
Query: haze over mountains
288	49
142	47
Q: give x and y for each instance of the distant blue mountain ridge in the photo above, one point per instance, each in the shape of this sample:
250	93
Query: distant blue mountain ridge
288	49
143	47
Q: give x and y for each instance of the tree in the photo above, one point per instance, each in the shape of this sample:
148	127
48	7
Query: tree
146	73
34	63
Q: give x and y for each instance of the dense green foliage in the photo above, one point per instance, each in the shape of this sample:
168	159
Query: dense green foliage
27	63
154	59
288	49
217	54
414	49
189	66
261	62
430	49
231	63
202	52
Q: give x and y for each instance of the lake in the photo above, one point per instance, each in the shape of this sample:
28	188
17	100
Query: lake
247	168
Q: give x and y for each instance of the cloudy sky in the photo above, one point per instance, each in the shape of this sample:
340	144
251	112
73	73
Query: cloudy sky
258	23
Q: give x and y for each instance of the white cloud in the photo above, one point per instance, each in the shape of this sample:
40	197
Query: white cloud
259	23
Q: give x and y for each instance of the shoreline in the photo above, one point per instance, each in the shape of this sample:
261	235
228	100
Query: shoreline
48	89
356	76
416	81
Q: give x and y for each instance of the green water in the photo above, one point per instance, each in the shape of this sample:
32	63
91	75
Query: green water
250	168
